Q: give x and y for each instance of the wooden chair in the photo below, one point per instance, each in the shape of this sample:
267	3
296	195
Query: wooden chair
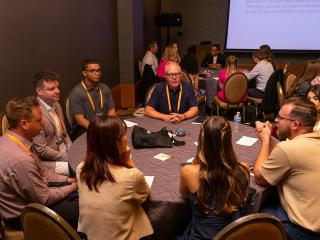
280	95
39	222
7	233
258	226
68	114
234	90
140	111
185	77
288	82
4	123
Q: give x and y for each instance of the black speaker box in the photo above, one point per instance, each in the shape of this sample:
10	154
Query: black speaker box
169	19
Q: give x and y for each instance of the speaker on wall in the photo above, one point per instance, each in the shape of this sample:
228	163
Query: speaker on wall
169	19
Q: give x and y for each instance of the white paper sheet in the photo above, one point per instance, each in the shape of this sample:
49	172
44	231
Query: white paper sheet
246	141
195	143
129	123
149	180
162	156
190	160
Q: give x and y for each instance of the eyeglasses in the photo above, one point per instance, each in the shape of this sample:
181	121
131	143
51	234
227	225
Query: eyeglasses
284	118
94	70
173	75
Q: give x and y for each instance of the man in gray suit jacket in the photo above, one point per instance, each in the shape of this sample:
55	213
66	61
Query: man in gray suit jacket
53	142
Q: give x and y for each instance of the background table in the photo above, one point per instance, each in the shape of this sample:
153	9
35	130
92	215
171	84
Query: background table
167	210
210	83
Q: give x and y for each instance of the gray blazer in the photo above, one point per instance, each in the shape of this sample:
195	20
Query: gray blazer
45	144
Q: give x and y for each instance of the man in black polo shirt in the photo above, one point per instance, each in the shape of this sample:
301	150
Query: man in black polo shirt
173	100
89	98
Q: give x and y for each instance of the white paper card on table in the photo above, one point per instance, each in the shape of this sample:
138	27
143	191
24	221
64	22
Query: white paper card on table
129	123
162	156
171	135
149	180
246	141
190	160
195	143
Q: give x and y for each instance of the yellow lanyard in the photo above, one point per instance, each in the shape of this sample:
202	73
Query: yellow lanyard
179	99
18	141
60	123
90	99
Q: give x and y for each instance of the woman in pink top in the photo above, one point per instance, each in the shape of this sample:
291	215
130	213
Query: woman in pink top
169	55
232	67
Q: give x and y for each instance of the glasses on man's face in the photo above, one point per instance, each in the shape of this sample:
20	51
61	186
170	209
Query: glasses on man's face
284	118
93	70
173	75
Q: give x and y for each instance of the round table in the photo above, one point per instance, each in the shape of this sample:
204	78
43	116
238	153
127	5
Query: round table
166	209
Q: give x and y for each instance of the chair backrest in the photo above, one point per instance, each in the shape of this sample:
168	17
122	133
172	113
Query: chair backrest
185	77
39	222
68	114
257	226
280	95
235	88
149	93
4	123
289	81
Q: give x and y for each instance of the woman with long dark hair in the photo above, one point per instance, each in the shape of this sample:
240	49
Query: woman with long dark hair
313	95
268	55
111	189
305	79
216	183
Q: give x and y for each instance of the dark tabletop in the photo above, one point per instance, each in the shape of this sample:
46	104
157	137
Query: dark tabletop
165	207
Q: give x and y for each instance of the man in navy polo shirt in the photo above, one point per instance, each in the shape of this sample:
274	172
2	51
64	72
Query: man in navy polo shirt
173	100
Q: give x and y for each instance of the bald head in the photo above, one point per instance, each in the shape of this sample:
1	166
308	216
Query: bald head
173	75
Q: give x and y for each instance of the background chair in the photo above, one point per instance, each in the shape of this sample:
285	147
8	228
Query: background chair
4	123
140	111
68	114
185	77
234	90
258	226
39	223
280	95
6	233
289	81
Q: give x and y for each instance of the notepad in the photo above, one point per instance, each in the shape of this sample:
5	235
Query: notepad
162	156
129	123
246	141
190	160
199	120
149	180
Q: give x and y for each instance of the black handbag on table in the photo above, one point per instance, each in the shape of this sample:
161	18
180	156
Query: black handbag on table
141	138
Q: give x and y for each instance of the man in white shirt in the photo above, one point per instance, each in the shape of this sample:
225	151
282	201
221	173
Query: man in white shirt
53	142
150	57
260	73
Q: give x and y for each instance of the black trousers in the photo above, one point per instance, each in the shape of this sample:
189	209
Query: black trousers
67	209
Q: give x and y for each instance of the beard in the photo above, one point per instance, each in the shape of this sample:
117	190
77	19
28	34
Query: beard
284	132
